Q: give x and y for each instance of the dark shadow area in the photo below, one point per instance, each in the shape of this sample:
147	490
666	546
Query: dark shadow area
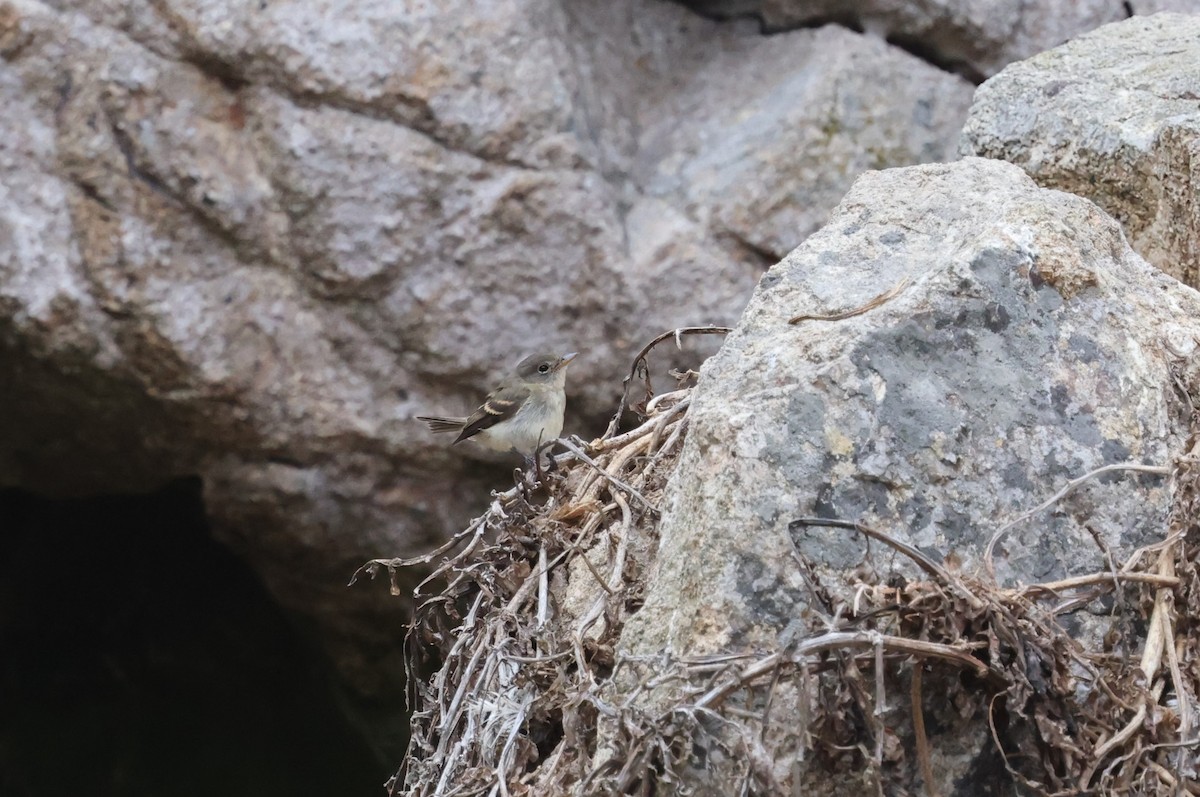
945	54
139	657
943	58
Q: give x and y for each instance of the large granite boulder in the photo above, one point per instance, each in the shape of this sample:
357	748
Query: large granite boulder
1027	345
1112	116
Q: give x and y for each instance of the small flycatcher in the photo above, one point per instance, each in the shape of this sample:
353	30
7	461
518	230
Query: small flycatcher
525	411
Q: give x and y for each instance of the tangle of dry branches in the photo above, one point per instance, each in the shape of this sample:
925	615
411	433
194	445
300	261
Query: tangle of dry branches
521	614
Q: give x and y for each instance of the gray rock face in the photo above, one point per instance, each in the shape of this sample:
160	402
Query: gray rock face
726	148
1112	116
251	243
977	36
1026	350
717	151
1157	6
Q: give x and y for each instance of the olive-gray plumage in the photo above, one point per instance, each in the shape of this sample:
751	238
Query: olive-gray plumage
524	411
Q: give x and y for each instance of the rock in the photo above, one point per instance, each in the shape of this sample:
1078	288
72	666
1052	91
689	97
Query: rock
250	244
757	152
976	37
728	147
1113	116
1156	6
1024	349
490	81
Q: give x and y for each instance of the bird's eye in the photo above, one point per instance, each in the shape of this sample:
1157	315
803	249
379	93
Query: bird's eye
544	368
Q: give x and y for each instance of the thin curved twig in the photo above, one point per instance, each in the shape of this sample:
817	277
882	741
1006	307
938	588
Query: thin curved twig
883	298
1158	470
639	365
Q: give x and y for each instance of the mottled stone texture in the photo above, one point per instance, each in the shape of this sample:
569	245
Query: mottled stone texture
1025	350
1113	116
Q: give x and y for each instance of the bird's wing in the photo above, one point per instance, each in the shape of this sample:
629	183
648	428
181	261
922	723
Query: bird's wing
502	404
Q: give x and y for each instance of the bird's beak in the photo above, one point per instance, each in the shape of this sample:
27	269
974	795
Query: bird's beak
565	360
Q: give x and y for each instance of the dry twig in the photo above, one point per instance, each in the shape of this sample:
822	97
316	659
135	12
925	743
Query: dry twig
1067	489
641	369
881	299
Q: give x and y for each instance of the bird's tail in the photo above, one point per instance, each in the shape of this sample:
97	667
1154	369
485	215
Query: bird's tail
439	425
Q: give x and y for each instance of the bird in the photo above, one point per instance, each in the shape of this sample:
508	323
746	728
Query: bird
524	411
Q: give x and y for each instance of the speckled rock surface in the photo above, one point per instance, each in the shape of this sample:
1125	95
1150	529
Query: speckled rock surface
1113	116
1026	350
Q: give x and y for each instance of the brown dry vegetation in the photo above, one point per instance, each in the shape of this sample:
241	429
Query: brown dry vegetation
532	694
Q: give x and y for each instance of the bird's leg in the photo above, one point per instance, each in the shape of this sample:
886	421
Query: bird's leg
551	462
537	459
521	474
